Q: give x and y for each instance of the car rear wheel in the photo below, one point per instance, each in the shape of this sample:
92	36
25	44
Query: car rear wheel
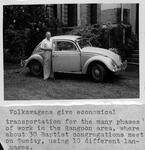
36	68
98	72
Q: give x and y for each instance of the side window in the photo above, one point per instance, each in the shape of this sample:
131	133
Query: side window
65	46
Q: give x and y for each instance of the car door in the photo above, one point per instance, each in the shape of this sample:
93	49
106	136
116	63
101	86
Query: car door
66	57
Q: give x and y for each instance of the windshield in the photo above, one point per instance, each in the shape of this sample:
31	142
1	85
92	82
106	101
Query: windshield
84	43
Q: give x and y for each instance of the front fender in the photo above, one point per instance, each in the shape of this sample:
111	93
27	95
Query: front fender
34	57
105	60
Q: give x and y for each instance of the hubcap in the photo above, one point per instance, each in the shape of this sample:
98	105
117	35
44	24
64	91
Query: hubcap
36	68
96	72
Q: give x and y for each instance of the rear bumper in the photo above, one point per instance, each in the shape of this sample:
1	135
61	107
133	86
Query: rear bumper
123	66
24	63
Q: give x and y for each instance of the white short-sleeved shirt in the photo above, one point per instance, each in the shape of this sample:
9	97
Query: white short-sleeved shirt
46	44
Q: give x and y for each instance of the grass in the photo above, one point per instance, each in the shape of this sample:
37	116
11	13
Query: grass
20	85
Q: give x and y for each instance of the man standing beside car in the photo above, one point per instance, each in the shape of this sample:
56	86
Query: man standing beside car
46	46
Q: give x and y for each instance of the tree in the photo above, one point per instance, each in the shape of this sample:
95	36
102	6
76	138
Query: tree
24	26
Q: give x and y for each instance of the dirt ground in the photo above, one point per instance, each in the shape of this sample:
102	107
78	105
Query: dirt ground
20	85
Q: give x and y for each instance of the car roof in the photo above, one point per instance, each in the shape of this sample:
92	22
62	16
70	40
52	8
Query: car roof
66	37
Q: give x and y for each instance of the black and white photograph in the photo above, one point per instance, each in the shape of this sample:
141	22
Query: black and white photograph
72	75
71	51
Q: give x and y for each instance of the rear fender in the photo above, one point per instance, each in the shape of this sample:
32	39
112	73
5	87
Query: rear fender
34	57
105	60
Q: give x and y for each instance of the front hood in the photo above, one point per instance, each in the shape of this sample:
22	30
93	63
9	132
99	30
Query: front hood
100	51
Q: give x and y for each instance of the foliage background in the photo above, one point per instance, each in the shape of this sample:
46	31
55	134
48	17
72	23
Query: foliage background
24	26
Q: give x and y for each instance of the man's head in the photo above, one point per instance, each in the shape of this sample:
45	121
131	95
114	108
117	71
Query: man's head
48	35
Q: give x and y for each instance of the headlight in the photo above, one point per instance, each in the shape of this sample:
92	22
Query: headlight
114	65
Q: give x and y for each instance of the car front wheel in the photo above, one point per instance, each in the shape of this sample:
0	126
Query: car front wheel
36	68
98	72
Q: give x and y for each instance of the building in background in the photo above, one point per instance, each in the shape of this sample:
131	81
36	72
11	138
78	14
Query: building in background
71	15
126	14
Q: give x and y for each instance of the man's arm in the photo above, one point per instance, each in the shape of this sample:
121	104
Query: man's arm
45	46
46	49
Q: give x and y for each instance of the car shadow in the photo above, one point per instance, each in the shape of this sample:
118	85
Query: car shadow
80	77
69	76
115	78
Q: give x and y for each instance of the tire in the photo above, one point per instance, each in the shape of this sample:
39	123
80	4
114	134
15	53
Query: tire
98	72
36	68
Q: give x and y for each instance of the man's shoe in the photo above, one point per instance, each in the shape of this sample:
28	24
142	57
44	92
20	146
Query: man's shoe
45	79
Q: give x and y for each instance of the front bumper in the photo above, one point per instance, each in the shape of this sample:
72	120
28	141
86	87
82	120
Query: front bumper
123	66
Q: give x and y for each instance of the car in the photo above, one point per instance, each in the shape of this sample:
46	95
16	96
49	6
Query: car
75	54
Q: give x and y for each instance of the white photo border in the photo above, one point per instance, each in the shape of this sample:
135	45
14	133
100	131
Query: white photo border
139	101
